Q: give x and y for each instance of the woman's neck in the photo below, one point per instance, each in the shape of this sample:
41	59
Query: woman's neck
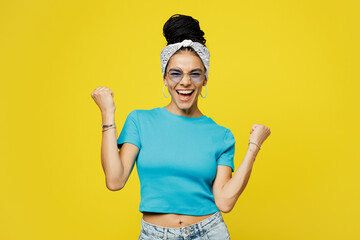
193	111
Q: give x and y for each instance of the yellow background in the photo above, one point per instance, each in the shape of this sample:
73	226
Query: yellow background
289	65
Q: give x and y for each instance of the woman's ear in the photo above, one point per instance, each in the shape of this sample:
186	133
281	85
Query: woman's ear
205	81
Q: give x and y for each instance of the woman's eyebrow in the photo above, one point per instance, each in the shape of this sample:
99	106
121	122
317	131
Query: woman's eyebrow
176	69
196	69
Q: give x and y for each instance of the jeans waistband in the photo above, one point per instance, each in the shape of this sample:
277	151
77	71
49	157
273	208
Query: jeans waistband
202	226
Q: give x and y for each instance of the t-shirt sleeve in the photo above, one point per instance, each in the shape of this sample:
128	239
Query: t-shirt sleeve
130	132
228	151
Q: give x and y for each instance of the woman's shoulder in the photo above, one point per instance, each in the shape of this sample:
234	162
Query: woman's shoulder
216	125
143	114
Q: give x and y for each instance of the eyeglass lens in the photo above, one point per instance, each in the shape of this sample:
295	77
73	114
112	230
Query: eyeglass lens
177	75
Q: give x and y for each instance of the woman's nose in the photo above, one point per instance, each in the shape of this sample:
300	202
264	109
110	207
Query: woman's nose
186	80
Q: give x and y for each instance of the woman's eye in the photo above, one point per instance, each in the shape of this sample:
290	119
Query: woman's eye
175	74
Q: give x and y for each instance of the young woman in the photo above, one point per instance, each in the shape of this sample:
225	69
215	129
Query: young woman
184	159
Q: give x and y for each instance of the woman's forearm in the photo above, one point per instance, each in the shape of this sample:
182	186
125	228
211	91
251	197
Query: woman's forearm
110	158
236	185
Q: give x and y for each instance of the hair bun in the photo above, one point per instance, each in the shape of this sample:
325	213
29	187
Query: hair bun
180	27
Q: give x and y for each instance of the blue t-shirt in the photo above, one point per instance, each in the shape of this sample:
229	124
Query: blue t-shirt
177	160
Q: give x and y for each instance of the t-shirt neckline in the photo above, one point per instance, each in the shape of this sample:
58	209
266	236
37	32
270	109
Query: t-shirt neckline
167	112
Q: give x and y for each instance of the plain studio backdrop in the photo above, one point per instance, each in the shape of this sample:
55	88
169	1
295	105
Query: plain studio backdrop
289	65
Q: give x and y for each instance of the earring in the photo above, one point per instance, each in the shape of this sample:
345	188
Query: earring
164	91
206	92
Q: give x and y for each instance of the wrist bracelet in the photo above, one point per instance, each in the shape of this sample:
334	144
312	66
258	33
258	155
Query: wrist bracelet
107	129
255	144
108	125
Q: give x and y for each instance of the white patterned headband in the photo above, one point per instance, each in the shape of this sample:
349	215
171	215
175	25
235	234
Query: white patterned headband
199	48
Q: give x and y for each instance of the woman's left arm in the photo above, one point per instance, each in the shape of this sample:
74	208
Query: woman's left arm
233	188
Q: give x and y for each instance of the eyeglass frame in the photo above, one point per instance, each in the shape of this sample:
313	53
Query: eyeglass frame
183	74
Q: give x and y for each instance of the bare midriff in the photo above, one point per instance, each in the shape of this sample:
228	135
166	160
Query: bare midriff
172	220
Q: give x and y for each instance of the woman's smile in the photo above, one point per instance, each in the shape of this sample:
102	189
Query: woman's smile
185	94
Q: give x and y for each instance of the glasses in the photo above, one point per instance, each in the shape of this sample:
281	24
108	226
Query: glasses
176	75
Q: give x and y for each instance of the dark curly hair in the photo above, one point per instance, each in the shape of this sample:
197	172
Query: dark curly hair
180	27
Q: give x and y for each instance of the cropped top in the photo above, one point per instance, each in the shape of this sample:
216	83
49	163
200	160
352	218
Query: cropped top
178	158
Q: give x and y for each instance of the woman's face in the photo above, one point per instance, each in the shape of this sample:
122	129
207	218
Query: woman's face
185	61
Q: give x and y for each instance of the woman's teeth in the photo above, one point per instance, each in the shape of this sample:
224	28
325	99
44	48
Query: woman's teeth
185	95
186	92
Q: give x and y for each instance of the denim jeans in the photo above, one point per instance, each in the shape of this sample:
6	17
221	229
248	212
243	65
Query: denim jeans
211	228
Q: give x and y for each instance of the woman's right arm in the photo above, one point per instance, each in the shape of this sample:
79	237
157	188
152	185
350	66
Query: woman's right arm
117	165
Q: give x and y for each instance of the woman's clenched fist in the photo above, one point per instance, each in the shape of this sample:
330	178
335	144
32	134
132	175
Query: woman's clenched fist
103	97
259	133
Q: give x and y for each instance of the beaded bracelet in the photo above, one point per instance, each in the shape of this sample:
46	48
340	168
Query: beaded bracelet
255	144
107	129
109	125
